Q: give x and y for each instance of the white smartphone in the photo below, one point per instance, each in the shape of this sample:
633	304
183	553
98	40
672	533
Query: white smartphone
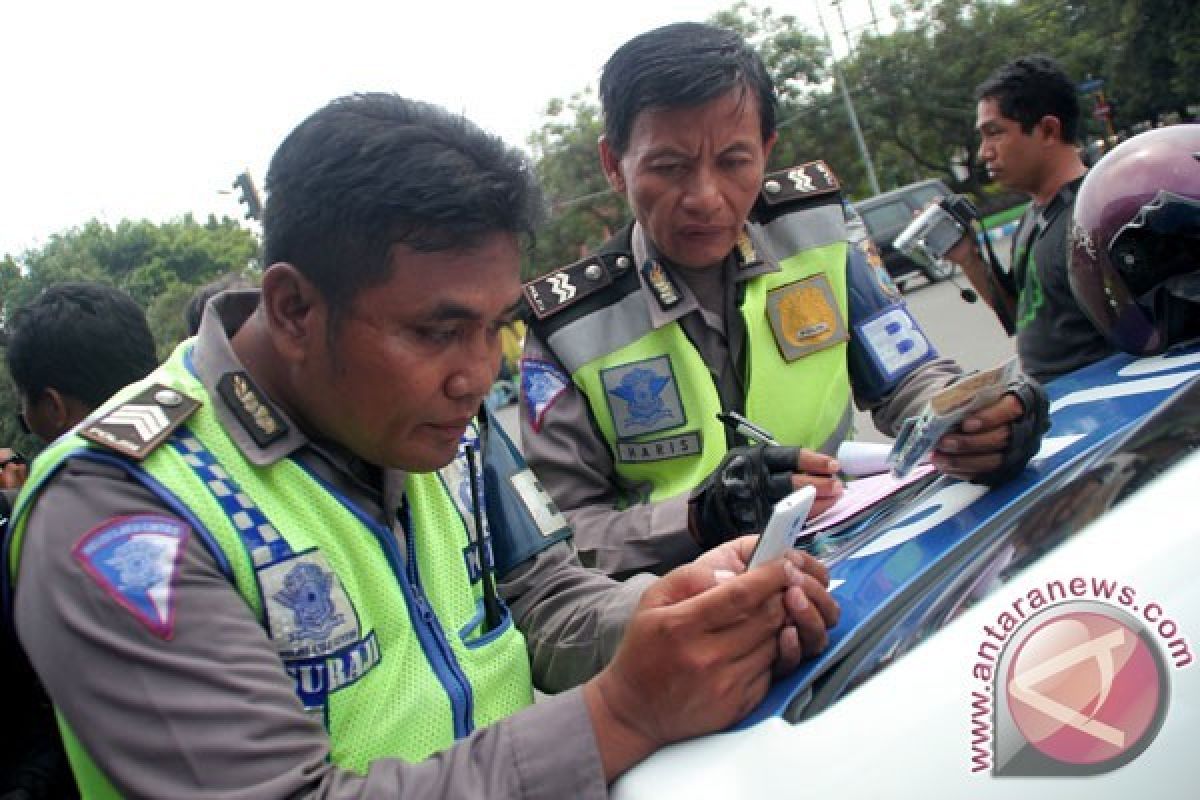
787	520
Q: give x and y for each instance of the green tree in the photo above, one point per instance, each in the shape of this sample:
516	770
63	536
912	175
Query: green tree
159	265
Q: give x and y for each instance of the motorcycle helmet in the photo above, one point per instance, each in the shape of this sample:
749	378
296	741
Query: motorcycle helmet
1134	245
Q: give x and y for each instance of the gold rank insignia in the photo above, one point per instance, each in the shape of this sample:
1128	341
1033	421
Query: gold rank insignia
746	251
804	317
245	401
140	424
661	283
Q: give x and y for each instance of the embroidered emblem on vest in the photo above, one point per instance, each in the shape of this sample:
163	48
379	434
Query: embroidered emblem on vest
804	317
142	423
247	404
541	384
307	591
135	560
308	612
662	284
642	397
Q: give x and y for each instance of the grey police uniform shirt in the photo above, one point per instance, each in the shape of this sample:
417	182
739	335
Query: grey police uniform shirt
573	460
210	713
1054	336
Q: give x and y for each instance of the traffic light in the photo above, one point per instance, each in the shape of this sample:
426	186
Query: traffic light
249	195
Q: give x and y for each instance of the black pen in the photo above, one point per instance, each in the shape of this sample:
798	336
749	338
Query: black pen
736	422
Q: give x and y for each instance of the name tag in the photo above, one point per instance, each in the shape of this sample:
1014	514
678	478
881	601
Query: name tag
687	444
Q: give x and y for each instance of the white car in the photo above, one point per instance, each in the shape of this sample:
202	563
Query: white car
1035	640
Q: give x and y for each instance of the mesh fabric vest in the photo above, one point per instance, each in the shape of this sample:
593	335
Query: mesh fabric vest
428	675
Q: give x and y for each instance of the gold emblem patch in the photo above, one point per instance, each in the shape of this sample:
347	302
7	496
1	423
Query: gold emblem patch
804	317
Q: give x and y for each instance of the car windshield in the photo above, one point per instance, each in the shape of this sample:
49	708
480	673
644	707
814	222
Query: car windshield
1008	546
888	217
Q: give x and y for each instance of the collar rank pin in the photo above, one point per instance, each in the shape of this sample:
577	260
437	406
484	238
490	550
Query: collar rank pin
661	283
256	415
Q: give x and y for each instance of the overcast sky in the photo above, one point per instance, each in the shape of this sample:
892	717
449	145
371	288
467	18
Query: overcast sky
119	109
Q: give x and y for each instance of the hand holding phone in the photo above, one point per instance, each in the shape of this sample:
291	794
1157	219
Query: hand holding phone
784	527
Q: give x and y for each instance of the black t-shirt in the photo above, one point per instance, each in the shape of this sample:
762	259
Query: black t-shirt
1054	336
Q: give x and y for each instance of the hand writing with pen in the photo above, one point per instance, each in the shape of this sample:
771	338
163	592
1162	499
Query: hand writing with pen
738	496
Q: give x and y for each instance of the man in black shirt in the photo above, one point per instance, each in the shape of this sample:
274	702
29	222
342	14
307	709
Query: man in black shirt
1027	117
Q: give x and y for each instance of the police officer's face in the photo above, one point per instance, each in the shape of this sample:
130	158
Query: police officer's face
1013	158
412	360
692	174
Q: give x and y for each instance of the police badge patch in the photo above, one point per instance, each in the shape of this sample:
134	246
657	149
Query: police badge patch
135	561
541	384
804	317
643	397
308	612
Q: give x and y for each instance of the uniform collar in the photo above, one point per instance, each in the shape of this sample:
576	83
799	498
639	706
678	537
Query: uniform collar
214	362
751	258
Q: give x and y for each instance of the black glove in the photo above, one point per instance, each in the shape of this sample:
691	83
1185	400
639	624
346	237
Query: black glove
738	496
1025	435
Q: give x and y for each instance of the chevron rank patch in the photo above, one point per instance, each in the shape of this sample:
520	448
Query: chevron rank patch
566	286
142	423
807	180
135	560
541	384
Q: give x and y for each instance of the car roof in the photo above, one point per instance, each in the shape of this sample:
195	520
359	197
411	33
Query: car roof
882	199
1116	425
910	736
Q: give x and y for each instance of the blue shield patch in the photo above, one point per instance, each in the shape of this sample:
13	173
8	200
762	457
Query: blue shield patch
308	611
135	561
643	397
308	592
541	384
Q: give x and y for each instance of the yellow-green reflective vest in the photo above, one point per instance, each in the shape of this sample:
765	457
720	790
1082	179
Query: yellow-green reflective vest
659	374
401	668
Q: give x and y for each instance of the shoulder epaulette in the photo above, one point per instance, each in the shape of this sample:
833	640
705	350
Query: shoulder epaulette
796	183
141	423
566	286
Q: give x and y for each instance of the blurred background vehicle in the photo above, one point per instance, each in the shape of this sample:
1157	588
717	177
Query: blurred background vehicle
887	214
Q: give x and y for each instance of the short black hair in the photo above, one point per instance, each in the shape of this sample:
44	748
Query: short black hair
681	65
86	340
369	171
193	312
1032	87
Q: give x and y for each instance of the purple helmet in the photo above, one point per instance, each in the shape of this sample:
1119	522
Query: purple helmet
1135	241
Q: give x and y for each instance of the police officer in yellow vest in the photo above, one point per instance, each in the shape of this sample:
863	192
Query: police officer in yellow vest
730	291
270	569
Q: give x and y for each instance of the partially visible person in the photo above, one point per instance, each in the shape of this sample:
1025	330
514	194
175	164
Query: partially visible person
70	349
194	310
730	291
1027	116
13	468
1135	241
